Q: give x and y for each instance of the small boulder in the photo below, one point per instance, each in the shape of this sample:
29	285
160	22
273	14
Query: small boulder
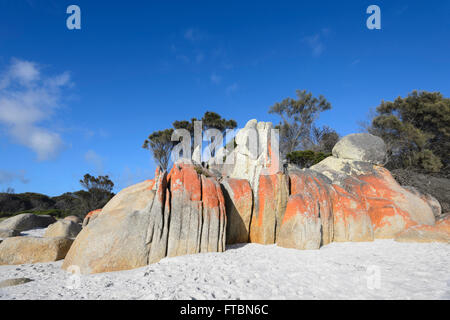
13	282
27	221
9	233
362	147
25	250
74	219
63	228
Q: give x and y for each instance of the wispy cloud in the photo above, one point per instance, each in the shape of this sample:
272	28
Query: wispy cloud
27	100
232	88
7	177
94	159
316	42
216	79
193	34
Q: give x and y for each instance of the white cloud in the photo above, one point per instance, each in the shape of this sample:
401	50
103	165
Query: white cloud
94	159
27	100
7	177
316	42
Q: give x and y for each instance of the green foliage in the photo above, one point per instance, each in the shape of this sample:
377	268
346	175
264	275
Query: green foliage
160	142
98	192
307	158
416	130
297	118
52	212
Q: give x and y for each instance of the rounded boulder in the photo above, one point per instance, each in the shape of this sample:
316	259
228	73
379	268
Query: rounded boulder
362	147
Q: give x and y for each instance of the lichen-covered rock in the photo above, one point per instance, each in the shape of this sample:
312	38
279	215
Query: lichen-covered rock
197	216
301	226
270	206
352	221
361	146
392	208
27	221
318	188
24	250
176	214
63	228
440	232
91	217
239	205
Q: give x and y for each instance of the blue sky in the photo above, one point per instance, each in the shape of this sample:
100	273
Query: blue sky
78	101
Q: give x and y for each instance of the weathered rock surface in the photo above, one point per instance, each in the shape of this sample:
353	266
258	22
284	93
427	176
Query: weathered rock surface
27	221
270	205
440	232
361	146
14	282
239	205
392	208
117	238
176	214
428	198
9	233
255	153
91	217
75	219
197	216
352	221
63	228
24	250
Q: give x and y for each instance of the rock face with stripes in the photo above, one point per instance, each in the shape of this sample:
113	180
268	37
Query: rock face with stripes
176	214
239	205
270	205
308	219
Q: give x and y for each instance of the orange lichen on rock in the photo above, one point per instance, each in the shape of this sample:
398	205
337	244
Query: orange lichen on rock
239	205
315	189
350	212
392	208
440	232
301	226
270	205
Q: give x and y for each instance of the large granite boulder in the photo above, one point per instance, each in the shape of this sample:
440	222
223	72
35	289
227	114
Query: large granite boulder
392	209
90	217
239	205
25	250
362	147
63	228
27	221
175	214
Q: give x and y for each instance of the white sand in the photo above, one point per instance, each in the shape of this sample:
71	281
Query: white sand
251	271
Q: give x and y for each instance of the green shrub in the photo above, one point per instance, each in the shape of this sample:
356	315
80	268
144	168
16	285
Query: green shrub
307	158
